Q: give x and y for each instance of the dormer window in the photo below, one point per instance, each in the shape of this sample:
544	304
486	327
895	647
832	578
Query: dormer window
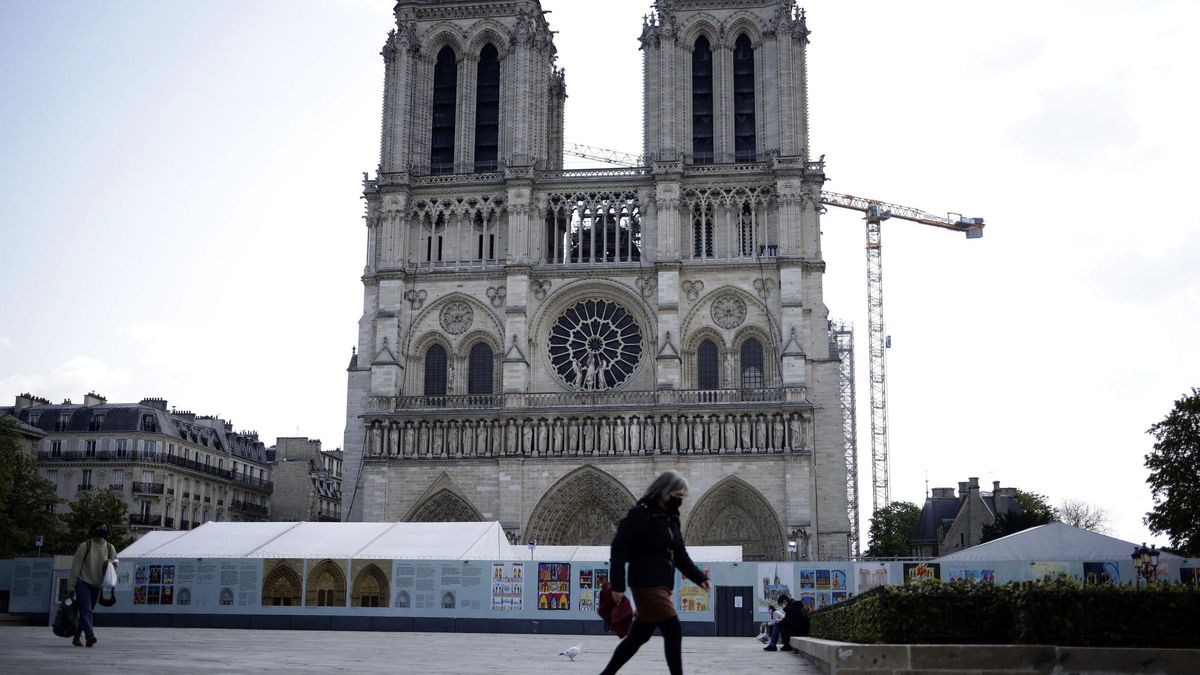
97	422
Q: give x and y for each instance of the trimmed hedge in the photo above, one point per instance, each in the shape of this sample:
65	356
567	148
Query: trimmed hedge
1061	613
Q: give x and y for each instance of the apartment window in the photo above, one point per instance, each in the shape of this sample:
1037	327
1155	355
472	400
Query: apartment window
33	418
89	447
122	447
56	448
97	422
149	423
170	449
144	505
118	479
64	420
147	476
151	447
52	477
85	479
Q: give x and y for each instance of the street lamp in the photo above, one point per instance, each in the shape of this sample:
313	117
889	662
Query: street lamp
1145	563
792	549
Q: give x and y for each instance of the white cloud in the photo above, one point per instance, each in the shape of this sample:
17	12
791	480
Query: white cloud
71	379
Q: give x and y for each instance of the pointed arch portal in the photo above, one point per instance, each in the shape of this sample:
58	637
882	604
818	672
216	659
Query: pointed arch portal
444	506
734	513
581	509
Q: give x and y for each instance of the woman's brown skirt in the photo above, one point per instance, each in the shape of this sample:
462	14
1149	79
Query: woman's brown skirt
653	604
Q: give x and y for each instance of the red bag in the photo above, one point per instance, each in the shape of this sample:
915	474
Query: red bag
617	617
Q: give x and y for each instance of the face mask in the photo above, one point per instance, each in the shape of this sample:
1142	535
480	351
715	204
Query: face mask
101	532
673	503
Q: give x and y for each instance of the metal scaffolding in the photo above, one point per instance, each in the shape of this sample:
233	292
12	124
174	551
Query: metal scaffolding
841	337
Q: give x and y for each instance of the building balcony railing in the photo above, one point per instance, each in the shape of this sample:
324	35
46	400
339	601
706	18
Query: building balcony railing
168	522
185	524
207	500
326	518
85	486
170	491
148	488
145	519
116	488
187	495
132	456
257	483
247	507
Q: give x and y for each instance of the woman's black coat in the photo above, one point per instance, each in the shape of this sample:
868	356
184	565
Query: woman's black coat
649	540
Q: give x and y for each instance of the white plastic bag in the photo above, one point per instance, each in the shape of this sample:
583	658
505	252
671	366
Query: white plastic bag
110	577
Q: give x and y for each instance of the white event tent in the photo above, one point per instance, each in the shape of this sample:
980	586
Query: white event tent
370	541
1054	541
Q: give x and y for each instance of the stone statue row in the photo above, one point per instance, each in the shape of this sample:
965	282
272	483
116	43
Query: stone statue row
570	436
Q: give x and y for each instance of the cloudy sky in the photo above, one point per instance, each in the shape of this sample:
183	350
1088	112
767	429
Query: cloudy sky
180	213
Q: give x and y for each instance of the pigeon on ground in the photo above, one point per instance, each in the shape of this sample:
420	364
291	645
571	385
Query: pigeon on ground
572	652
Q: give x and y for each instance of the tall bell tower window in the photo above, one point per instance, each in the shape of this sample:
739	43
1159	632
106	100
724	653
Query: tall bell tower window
435	371
706	366
487	110
752	364
744	134
481	363
702	102
445	90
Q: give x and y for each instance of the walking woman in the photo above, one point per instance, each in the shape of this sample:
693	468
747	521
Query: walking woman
87	574
649	540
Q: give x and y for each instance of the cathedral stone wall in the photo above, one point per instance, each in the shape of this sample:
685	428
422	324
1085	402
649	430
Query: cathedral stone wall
537	343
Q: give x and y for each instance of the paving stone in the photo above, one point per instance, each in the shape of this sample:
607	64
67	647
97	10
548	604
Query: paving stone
169	650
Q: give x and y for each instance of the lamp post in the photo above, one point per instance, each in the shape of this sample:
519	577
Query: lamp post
1145	563
532	546
792	549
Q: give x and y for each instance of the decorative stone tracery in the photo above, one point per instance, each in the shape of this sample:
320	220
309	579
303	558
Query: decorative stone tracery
595	345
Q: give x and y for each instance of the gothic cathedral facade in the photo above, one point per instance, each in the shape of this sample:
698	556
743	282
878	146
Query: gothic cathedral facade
538	343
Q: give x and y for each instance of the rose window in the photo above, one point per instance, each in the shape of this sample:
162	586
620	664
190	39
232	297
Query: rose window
595	345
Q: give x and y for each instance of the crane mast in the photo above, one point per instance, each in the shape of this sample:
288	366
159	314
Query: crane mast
875	212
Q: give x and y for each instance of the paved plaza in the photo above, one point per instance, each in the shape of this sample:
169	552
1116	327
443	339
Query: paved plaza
170	650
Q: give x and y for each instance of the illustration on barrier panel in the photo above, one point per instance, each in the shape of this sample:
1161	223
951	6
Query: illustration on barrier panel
281	583
554	586
371	586
508	586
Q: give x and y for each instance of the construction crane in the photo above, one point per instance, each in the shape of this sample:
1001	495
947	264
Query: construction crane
603	155
875	212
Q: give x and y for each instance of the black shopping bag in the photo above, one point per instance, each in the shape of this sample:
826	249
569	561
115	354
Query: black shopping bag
66	619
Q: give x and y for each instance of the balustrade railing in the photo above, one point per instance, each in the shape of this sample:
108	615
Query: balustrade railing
139	456
253	482
560	400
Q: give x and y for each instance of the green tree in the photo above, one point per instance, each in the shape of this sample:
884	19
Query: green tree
96	506
1174	480
892	529
1036	510
26	499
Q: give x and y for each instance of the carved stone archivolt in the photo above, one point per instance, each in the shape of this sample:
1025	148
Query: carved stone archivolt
729	311
456	317
445	506
734	513
583	508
